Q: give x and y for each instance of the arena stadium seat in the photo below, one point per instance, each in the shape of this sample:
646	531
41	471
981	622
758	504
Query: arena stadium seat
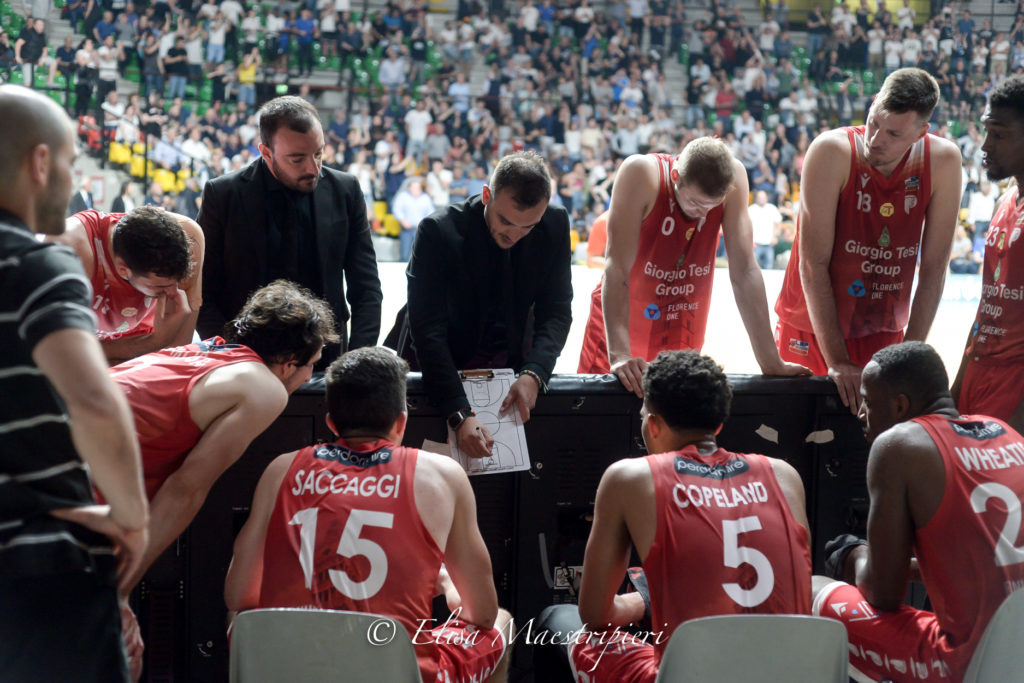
310	646
119	153
756	648
997	657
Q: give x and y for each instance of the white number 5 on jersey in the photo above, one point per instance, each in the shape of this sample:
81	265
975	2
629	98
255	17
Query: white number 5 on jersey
735	555
350	545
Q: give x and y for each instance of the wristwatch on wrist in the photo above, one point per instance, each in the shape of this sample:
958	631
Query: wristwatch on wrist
456	419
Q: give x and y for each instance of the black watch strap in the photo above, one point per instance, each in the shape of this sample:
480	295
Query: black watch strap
456	419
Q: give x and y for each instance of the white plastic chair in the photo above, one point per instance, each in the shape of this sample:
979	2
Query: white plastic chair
756	648
998	658
310	646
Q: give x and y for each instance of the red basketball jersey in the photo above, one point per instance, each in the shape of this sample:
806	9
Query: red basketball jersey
121	310
669	284
877	239
726	542
979	513
998	330
345	534
158	386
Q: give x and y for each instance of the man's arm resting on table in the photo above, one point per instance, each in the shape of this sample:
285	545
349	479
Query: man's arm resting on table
553	305
747	281
192	285
633	195
825	171
937	238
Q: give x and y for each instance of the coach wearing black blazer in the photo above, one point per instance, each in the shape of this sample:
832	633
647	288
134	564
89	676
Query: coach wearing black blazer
490	287
285	216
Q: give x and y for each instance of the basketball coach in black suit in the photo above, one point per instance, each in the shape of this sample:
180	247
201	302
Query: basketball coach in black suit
490	286
285	216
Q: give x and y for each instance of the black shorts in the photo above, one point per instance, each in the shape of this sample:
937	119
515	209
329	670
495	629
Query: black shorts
62	627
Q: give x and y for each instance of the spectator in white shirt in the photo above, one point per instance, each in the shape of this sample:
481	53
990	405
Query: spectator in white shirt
530	15
905	16
392	72
893	52
765	220
410	206
876	41
416	123
980	207
438	181
911	49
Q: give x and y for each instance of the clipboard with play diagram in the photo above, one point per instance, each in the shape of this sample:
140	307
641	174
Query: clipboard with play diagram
486	390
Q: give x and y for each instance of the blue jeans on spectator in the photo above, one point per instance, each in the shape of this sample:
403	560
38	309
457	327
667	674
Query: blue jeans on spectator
815	41
247	93
176	86
693	114
405	239
415	148
74	16
764	254
215	53
154	82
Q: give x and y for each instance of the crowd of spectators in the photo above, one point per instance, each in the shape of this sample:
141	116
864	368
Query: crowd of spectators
585	86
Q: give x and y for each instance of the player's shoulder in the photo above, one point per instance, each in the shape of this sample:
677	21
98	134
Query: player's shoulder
639	165
629	472
785	473
441	474
833	141
944	150
898	445
438	463
254	385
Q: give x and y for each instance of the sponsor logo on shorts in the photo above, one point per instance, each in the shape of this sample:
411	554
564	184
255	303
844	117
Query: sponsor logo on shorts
799	347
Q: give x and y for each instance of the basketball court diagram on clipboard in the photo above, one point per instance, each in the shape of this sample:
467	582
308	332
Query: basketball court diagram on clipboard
486	390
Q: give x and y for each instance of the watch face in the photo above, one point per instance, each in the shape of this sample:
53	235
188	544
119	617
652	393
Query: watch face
458	418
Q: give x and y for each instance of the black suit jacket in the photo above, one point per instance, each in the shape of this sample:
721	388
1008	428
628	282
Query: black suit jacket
233	218
78	203
448	277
